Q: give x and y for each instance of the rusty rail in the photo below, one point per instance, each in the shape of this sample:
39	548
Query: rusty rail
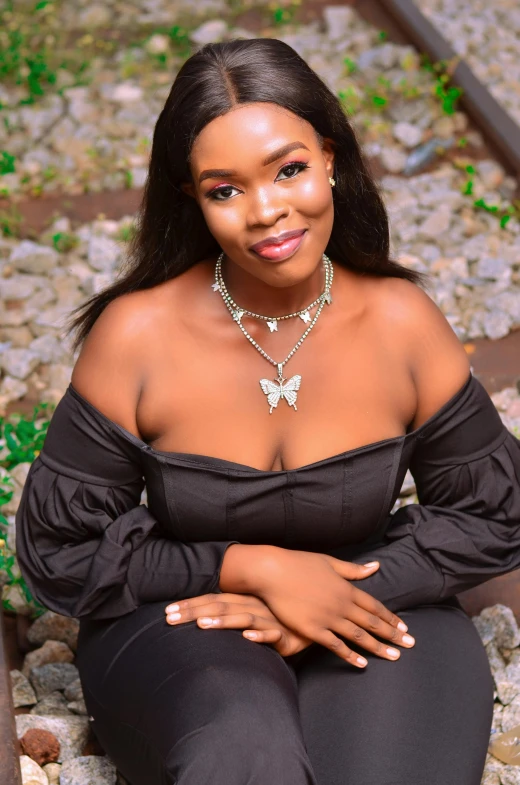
10	773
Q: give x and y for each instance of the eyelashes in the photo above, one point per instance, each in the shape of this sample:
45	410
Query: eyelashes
300	166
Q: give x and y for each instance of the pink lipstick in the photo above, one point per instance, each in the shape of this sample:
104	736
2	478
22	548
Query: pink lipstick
280	247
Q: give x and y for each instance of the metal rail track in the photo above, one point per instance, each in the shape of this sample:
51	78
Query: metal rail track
404	23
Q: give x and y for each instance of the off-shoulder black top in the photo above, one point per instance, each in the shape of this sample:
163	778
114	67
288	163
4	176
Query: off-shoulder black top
86	546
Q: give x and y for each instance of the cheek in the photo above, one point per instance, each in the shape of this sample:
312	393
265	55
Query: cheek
314	199
224	222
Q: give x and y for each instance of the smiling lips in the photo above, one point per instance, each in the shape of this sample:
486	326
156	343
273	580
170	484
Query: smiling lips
280	247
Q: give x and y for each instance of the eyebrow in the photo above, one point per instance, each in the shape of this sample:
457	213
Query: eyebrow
208	174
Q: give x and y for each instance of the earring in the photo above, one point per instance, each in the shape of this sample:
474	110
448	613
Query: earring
332	182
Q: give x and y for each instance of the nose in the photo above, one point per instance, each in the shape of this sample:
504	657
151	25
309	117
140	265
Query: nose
266	207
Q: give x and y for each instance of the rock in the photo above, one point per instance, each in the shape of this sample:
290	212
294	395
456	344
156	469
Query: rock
53	626
495	269
30	257
126	93
94	15
32	774
88	770
214	30
13	597
508	687
22	691
71	732
19	362
104	254
408	134
52	705
338	21
393	159
11	390
51	651
74	691
40	745
52	770
158	44
485	629
502	619
436	224
52	676
511	716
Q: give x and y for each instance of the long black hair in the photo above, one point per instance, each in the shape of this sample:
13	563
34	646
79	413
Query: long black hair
171	232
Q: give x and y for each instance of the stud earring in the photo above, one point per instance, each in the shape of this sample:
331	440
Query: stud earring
332	182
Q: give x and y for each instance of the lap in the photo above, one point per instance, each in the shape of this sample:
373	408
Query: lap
424	718
158	691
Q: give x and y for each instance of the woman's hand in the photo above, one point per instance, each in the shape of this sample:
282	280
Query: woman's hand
310	594
245	612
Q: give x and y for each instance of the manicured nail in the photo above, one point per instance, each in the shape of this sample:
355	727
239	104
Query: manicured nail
361	661
408	639
402	626
392	652
174	617
172	608
371	564
206	622
251	635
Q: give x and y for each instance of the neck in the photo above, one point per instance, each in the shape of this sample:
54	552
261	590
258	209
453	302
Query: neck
255	295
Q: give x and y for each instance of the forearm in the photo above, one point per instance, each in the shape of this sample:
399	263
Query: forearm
243	567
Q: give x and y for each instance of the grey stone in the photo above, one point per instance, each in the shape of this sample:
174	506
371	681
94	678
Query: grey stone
408	134
52	676
32	774
19	363
52	770
214	30
30	257
502	619
77	707
104	254
54	626
88	770
22	691
511	715
52	705
71	732
74	691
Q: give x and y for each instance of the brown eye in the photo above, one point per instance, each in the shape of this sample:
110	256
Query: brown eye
292	169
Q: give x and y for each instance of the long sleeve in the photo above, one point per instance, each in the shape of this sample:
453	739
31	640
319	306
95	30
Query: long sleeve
85	545
466	527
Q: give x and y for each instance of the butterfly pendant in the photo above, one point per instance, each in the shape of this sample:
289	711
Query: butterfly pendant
277	389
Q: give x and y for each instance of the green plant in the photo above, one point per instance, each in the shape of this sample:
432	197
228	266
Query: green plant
6	163
11	221
64	241
21	439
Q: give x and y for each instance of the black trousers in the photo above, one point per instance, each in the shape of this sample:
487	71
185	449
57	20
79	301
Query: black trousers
185	706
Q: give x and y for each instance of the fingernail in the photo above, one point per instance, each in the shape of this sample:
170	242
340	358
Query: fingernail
172	608
408	639
207	622
174	616
371	564
392	652
402	626
361	661
250	634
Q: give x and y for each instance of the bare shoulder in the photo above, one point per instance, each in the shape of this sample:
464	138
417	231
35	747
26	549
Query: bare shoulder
110	367
415	325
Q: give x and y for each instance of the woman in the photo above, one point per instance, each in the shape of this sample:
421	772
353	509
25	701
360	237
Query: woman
225	628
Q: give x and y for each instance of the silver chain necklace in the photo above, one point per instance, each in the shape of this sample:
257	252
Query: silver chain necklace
280	388
272	321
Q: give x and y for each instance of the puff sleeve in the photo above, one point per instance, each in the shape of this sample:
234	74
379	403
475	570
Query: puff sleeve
85	545
466	527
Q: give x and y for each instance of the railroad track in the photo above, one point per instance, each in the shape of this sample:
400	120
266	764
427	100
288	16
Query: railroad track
405	24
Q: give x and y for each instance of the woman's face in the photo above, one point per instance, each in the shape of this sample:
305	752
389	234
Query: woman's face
259	171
